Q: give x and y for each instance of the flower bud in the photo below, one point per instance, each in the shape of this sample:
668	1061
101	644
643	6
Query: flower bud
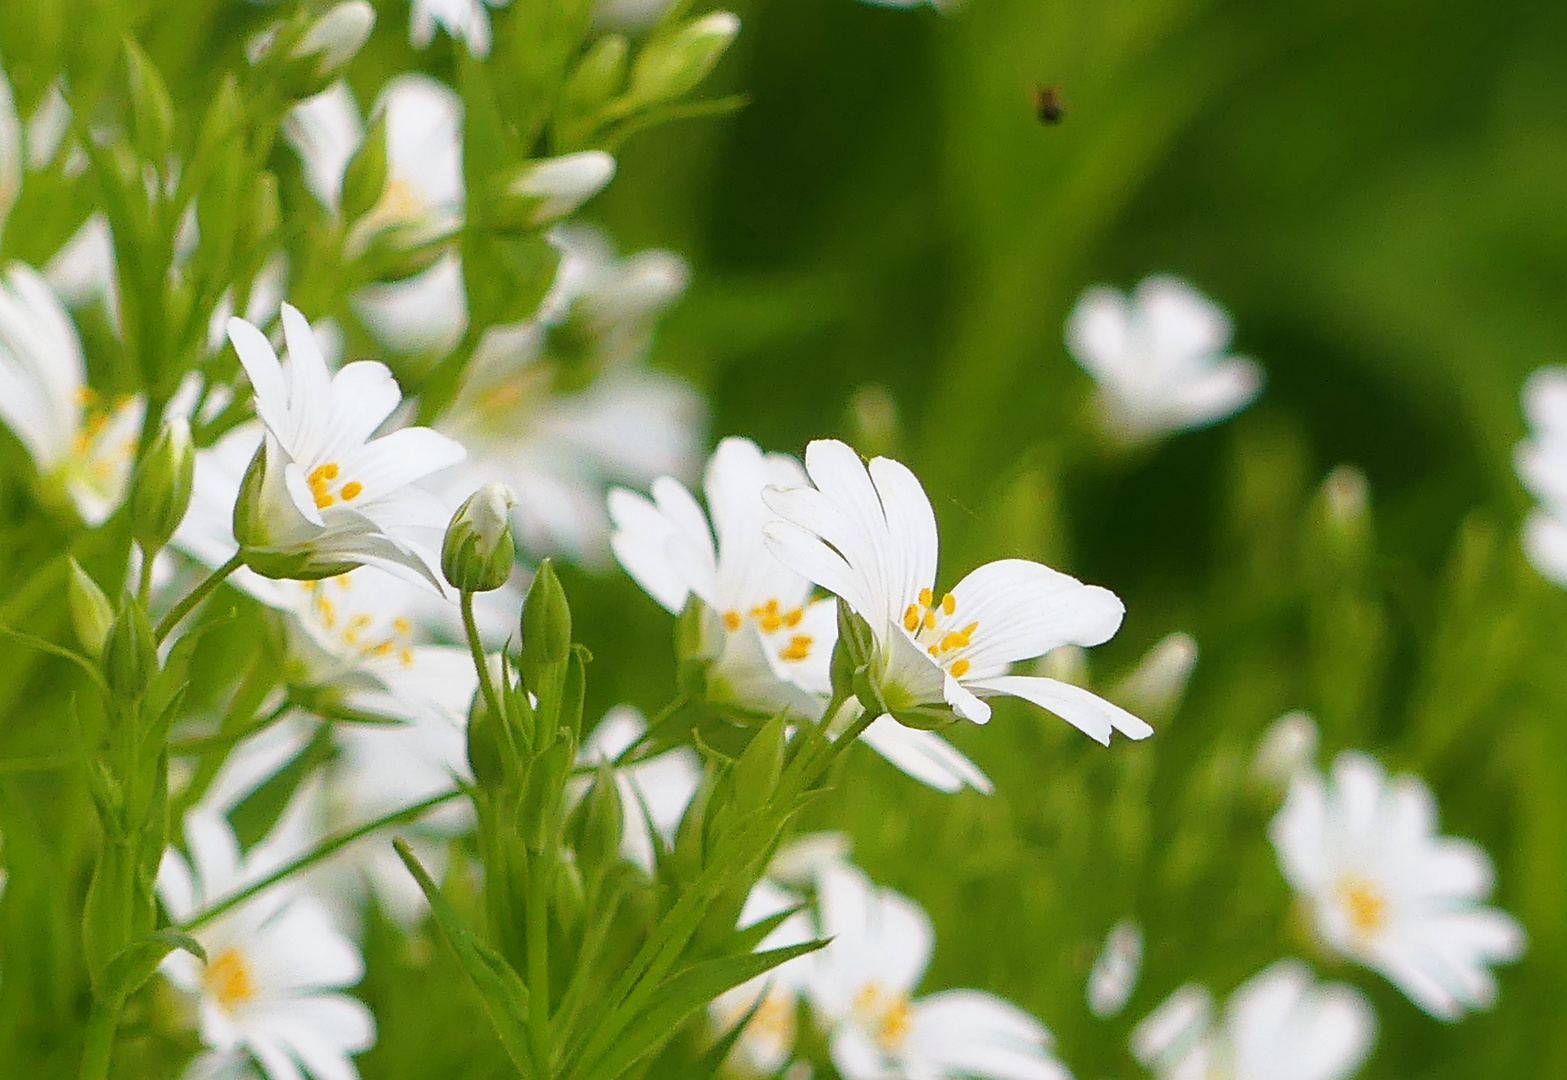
478	551
546	619
1155	687
130	655
91	612
601	822
364	181
336	37
757	772
598	76
152	110
1287	749
11	154
671	67
160	490
486	752
545	191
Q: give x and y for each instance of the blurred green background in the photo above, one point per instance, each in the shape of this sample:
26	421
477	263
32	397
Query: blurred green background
1376	193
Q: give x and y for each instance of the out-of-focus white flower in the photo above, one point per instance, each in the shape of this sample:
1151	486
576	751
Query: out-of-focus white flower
467	21
82	272
1279	1025
1158	682
774	644
801	860
13	153
1114	974
274	966
664	784
767	1043
559	429
85	446
1287	749
869	535
1159	358
422	201
861	986
47	129
1541	461
324	496
1385	890
336	36
554	187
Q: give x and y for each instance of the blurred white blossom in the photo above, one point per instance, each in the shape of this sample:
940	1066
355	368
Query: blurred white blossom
1541	461
1159	358
467	21
1286	750
1384	889
1114	975
1279	1025
767	1044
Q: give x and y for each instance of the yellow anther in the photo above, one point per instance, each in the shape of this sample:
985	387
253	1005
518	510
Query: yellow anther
799	648
968	631
327	472
352	489
406	656
732	620
328	612
229	978
930	619
792	618
382	647
927	598
1367	906
932	650
894	1028
953	640
959	668
911	619
402	625
948	605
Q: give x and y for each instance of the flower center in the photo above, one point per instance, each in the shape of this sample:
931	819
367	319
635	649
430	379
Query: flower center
101	459
357	631
400	202
1364	903
884	1014
229	978
321	479
933	626
770	618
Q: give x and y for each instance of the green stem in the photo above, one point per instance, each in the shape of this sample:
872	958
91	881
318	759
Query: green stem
144	588
222	740
196	596
625	757
540	871
326	848
101	1025
476	649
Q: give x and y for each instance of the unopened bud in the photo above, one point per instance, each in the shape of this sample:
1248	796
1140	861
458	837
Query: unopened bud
1155	687
130	655
602	821
1287	749
758	770
546	619
669	68
263	513
545	191
91	613
486	753
152	110
336	37
598	76
364	181
160	490
478	551
1065	663
1343	516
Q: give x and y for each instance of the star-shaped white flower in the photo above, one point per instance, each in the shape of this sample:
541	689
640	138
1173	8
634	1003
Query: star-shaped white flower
1159	358
1384	889
1280	1023
862	984
1541	461
275	964
869	536
774	643
76	442
324	494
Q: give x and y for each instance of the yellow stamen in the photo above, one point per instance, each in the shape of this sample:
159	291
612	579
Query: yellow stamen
406	656
351	489
959	668
926	598
948	604
911	619
732	620
402	625
799	648
792	618
228	977
930	619
1366	905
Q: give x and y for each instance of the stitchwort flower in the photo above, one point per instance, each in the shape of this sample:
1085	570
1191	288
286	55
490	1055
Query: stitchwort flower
869	536
1383	889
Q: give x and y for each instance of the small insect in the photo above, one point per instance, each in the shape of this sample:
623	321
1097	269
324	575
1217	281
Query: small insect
1048	106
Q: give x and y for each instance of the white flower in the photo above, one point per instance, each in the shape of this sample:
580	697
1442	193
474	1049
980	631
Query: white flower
1114	974
74	441
273	967
336	37
1279	1025
422	201
559	429
664	784
467	21
561	184
1385	890
82	272
1159	358
324	496
1541	461
870	537
775	643
861	986
767	1044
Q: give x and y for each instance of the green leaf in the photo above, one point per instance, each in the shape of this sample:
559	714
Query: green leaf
500	988
708	1065
678	998
133	965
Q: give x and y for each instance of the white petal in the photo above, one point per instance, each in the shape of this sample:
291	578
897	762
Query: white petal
266	377
310	389
1545	543
1086	711
925	756
911	525
1024	609
969	1033
641	543
1222	392
748	574
1098	332
1299	831
801	551
394	461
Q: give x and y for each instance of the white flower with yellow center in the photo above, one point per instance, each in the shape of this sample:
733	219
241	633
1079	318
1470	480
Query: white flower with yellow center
1160	358
560	407
1384	889
1279	1025
77	442
275	965
422	201
775	643
869	536
767	1044
862	983
1541	461
324	495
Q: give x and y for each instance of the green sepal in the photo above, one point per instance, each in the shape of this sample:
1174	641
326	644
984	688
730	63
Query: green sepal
133	965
